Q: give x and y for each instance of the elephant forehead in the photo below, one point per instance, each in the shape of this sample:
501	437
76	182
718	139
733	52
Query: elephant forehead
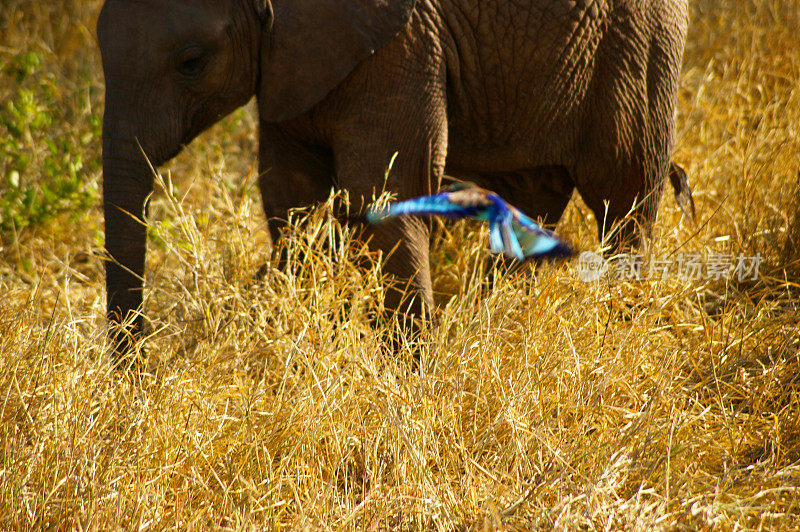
122	23
143	29
135	23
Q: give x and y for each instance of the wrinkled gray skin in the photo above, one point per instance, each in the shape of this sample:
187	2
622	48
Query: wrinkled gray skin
530	98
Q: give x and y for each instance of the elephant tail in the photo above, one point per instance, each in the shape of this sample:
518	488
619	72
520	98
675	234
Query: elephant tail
682	190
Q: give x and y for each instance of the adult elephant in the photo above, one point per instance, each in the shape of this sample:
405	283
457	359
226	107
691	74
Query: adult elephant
531	98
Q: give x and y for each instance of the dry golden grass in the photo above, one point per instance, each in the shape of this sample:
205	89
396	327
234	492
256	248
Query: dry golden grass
541	402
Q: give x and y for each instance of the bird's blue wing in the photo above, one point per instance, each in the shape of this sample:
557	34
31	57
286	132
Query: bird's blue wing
502	238
436	204
495	237
536	241
512	245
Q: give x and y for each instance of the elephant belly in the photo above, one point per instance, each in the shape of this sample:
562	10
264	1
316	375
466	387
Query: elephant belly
517	78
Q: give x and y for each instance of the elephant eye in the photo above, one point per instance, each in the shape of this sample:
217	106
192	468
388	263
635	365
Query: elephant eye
191	61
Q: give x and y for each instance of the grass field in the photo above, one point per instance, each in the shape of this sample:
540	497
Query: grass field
542	402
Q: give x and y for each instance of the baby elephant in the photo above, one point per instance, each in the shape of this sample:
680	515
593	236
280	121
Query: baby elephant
530	98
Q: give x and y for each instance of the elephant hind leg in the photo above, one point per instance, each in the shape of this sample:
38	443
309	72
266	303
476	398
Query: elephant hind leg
624	201
626	148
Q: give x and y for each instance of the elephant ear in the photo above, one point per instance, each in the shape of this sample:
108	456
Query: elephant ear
312	45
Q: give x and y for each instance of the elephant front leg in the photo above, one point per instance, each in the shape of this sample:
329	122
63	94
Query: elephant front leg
361	165
404	244
292	175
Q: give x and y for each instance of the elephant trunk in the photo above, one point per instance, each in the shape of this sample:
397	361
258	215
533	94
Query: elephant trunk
127	182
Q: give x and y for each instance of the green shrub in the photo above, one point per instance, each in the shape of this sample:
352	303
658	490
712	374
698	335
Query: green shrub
43	161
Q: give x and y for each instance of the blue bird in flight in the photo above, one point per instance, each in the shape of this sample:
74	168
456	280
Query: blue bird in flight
510	232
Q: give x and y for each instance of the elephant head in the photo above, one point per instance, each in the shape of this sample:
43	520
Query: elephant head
174	67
